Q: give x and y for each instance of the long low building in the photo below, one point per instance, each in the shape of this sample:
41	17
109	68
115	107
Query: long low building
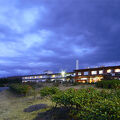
48	77
90	75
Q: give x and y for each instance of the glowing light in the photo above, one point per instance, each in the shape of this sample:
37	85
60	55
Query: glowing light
94	72
109	71
63	73
101	72
117	70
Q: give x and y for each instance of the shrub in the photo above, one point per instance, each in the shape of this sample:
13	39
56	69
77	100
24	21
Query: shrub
89	104
47	91
21	89
114	84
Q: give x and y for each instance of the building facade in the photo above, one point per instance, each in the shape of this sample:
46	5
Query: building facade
92	75
49	77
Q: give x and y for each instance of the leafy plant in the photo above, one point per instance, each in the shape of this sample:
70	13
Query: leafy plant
109	84
47	91
21	89
88	104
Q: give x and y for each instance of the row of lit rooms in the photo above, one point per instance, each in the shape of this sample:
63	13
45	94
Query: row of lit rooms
92	79
38	80
100	72
47	76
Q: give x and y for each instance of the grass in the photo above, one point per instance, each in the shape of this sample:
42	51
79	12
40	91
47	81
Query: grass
12	107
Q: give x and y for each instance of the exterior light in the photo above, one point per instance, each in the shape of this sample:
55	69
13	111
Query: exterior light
63	73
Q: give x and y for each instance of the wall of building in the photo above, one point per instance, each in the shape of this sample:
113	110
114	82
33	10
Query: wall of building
95	74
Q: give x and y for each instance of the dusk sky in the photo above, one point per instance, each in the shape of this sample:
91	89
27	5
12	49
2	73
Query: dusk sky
38	35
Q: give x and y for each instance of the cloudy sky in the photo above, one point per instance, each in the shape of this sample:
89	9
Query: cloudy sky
38	35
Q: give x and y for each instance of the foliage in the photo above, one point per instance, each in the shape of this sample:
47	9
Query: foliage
10	80
47	91
88	104
114	84
21	89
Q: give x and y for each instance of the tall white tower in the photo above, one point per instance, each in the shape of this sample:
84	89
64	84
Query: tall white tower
77	64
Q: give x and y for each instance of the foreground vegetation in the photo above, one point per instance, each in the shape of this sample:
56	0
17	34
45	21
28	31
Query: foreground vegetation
109	84
80	102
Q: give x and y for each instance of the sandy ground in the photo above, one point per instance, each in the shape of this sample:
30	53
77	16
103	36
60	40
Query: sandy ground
12	107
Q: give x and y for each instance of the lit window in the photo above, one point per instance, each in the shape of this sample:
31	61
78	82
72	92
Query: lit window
37	76
40	76
101	72
94	72
109	71
53	76
34	76
117	70
79	73
84	78
85	73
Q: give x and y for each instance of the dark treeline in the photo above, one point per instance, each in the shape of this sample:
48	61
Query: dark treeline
10	80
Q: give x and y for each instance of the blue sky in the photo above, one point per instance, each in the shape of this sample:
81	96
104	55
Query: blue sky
38	35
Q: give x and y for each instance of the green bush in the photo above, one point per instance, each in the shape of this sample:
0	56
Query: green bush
21	89
47	91
90	104
109	84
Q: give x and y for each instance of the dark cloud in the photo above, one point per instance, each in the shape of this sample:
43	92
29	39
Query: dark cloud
36	35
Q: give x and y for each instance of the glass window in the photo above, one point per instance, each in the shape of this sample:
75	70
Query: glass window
84	78
34	76
53	76
101	72
117	70
79	73
85	73
109	71
94	72
40	76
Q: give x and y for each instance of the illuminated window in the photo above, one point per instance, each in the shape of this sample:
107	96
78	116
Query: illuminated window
117	70
53	76
101	72
85	73
94	72
37	76
109	71
84	78
40	76
79	73
34	76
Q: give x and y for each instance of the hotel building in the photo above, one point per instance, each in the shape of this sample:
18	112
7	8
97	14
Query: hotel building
90	75
47	76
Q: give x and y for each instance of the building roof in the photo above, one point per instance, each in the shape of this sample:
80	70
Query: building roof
98	68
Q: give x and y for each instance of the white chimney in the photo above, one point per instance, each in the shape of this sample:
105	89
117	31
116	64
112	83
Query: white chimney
77	64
